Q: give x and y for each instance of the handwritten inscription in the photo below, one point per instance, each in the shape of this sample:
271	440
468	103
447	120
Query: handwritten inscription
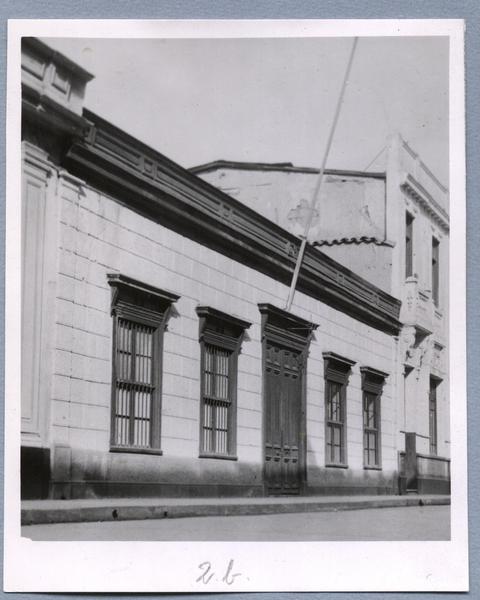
208	574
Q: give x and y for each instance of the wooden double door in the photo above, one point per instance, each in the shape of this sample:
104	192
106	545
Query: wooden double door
283	419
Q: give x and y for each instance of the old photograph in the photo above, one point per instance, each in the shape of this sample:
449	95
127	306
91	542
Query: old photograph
235	290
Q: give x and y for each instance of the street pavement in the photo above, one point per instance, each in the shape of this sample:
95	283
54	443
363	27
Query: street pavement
377	524
82	510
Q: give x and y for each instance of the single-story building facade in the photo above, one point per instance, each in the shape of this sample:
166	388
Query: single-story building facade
157	355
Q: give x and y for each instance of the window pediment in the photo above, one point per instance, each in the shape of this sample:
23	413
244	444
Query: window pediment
136	300
373	380
337	368
219	328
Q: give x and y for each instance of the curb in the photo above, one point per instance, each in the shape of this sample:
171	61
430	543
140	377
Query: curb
41	516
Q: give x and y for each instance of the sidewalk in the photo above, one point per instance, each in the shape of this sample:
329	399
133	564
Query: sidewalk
35	512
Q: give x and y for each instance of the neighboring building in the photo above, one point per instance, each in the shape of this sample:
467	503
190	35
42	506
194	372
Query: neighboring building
392	228
157	357
419	208
349	222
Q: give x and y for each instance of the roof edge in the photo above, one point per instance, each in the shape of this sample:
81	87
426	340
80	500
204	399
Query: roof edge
56	56
286	167
355	240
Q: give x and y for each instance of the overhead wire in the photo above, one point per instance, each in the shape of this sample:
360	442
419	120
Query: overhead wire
318	186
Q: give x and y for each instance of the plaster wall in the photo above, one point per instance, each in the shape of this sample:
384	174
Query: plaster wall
424	339
348	206
373	262
98	235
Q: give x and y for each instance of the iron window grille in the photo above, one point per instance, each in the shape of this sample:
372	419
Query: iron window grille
140	313
336	371
372	386
220	340
217	401
135	384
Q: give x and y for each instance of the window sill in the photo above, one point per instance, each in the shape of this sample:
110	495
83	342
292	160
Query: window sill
372	468
123	449
336	465
219	456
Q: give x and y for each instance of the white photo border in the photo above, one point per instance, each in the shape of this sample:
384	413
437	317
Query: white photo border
267	566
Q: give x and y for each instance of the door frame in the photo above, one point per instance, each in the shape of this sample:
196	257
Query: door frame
284	328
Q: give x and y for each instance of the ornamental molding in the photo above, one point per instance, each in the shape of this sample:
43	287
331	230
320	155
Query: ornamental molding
36	157
111	161
424	199
281	326
416	348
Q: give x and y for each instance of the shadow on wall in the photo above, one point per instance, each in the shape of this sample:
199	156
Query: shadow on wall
340	481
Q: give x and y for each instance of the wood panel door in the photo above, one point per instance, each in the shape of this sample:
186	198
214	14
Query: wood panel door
283	419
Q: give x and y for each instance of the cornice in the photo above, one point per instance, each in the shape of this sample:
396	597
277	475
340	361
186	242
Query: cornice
371	372
285	167
155	186
221	329
289	321
280	326
151	184
40	109
373	380
208	312
416	191
40	49
38	158
120	281
422	165
346	363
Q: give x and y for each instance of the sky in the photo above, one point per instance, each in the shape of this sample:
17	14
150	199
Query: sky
271	99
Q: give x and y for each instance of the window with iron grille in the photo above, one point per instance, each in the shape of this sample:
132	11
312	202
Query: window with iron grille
373	381
337	370
139	314
217	401
220	338
136	384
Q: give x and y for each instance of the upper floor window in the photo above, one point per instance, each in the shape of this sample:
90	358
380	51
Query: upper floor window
372	385
435	270
139	315
408	245
432	416
336	372
220	338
